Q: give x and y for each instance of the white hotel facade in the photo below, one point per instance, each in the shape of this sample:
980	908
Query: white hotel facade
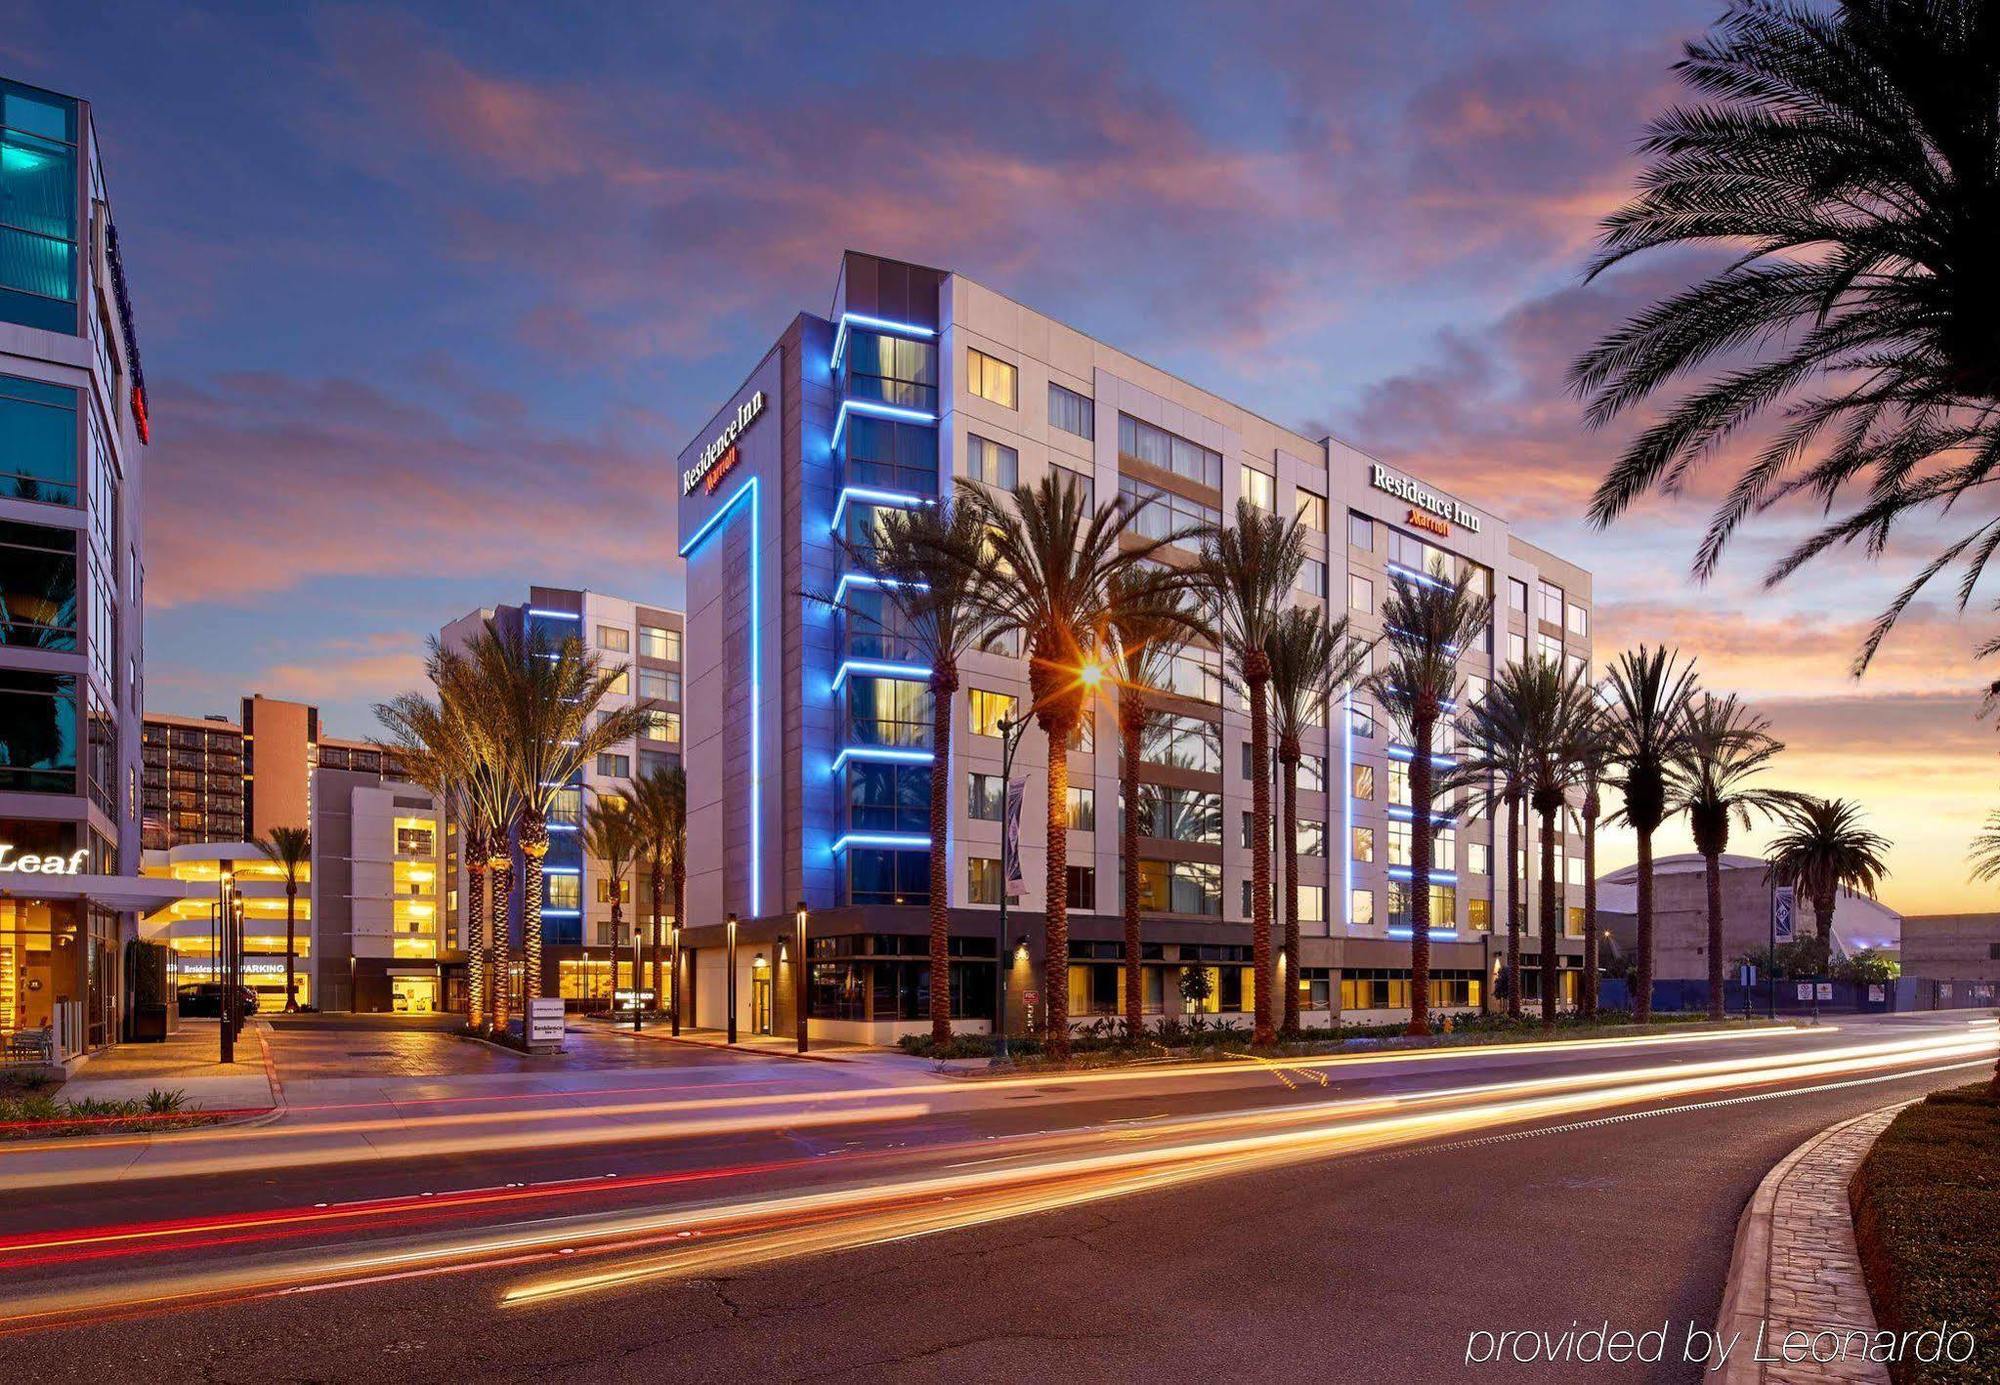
799	730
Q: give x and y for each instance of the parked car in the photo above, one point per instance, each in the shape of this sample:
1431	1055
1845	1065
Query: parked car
204	999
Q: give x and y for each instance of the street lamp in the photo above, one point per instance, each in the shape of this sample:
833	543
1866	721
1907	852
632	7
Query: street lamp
226	1008
732	978
799	975
638	1026
1011	729
674	962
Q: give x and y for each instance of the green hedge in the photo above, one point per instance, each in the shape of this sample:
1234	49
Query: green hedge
1927	1220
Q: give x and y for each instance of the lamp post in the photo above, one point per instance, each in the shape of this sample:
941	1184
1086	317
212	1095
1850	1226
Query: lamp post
638	1026
731	962
674	987
1011	729
226	1009
799	976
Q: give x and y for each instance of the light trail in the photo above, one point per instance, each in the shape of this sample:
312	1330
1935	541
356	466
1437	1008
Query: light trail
1043	1172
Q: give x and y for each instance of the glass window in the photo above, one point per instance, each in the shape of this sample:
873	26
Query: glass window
1361	907
1517	647
656	642
1260	488
1579	620
1399	783
1142	442
562	890
987	708
660	685
991	378
1312	578
1312	511
879	875
1312	903
985	797
1182	742
888	797
894	370
615	765
1479	914
892	453
1082	809
38	211
1078	481
1193	673
37	587
37	732
1361	781
1549	649
1180	815
992	463
1573	922
1360	594
1363	722
38	441
1161	513
1476	858
614	638
1552	603
1517	594
661	726
982	880
1312	837
1360	532
1071	412
1082	736
1180	887
1083	887
1364	843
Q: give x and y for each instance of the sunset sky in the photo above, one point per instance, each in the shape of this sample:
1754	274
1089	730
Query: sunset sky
410	279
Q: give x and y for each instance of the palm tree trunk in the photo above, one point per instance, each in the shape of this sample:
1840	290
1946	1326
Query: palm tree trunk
499	966
1590	958
1289	835
1642	983
1712	869
1517	826
1550	979
291	943
680	904
1422	728
534	849
475	934
944	682
1055	913
1260	857
1131	727
1823	922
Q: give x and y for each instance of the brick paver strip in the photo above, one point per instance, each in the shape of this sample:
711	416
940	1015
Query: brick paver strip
1795	1266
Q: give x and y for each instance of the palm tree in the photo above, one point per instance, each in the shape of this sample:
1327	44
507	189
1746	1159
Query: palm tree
1560	717
547	705
1985	862
1147	626
1311	662
1726	746
1047	577
290	849
1251	566
921	595
1651	692
1426	622
1493	772
446	750
1823	850
659	801
1844	161
611	833
1594	754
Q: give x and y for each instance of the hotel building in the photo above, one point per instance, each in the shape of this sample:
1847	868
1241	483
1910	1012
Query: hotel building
72	568
577	934
201	780
808	736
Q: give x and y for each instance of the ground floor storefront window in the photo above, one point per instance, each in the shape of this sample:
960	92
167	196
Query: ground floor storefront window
43	962
888	977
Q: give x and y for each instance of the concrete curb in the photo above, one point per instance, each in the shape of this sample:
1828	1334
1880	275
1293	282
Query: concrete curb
1795	1265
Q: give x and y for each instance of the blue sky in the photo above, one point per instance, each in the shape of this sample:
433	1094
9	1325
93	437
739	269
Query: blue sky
409	276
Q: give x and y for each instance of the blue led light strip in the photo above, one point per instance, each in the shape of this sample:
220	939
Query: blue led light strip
878	324
746	499
543	611
881	754
882	668
902	839
863	579
1438	877
869	495
874	410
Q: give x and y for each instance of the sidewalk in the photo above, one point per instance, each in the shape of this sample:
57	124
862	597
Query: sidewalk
1796	1267
773	1045
189	1062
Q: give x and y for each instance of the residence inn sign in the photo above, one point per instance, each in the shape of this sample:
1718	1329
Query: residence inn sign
1403	488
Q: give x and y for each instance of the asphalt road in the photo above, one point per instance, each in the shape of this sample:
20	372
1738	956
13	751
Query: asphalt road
1372	1263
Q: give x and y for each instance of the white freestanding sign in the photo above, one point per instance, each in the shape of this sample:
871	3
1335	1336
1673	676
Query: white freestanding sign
545	1022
